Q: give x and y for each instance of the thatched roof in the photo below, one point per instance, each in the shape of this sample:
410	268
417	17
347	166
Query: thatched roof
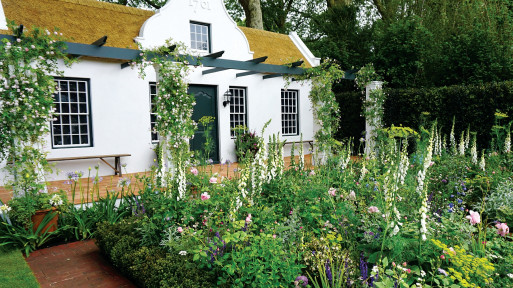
278	47
82	21
85	21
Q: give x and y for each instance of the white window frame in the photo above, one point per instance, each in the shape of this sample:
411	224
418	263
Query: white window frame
289	112
153	114
238	108
73	114
198	37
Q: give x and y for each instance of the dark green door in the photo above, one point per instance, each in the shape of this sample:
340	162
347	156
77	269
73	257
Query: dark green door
206	105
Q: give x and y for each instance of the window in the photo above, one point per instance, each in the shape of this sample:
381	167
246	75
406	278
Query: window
200	36
72	128
289	112
153	114
237	109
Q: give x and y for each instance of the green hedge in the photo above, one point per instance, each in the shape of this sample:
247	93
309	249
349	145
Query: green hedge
472	105
148	266
352	122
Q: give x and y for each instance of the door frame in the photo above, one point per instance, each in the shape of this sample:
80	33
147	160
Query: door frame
216	116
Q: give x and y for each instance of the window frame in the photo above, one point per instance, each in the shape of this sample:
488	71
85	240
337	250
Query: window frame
89	114
297	126
153	124
209	36
245	114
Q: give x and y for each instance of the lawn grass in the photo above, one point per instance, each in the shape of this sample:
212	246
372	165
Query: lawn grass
14	271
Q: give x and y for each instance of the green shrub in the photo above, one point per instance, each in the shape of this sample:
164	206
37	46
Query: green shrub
148	266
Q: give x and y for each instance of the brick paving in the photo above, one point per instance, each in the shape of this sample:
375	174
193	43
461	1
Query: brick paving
110	182
78	265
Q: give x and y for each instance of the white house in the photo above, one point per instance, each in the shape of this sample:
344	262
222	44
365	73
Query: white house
104	108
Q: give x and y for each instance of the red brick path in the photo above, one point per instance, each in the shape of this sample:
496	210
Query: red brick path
110	182
77	265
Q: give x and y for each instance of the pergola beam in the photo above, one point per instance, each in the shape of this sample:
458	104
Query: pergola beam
246	74
255	61
100	42
128	55
215	55
272	76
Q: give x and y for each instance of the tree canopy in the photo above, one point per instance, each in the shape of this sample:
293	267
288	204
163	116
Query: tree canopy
412	43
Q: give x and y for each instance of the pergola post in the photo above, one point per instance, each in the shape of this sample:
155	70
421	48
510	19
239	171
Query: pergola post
372	122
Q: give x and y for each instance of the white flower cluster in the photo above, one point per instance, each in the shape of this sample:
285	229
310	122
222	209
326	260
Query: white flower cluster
467	138
301	155
461	147
437	150
4	208
452	139
420	189
258	169
181	180
482	163
404	162
363	172
507	143
56	200
473	151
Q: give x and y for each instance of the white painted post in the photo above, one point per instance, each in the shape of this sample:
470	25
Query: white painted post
370	124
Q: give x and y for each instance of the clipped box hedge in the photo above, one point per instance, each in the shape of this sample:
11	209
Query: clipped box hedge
147	266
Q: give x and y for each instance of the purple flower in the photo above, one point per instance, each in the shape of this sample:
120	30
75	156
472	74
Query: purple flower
443	272
328	272
302	280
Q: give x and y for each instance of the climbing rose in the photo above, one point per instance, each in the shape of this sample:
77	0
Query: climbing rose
194	171
332	191
474	217
179	229
213	180
248	219
502	229
205	196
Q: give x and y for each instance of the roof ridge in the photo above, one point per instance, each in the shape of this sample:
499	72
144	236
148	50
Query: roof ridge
110	6
263	31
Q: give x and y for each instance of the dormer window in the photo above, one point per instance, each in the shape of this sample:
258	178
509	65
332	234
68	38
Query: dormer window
200	36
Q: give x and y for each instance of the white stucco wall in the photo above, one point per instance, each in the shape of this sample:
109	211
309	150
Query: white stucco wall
120	101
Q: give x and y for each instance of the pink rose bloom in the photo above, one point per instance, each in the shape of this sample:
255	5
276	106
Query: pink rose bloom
474	217
179	229
274	236
332	191
248	219
312	172
194	171
213	180
205	196
502	229
373	209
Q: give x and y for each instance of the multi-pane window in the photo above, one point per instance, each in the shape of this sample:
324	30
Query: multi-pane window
153	114
289	112
72	127
200	38
237	109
